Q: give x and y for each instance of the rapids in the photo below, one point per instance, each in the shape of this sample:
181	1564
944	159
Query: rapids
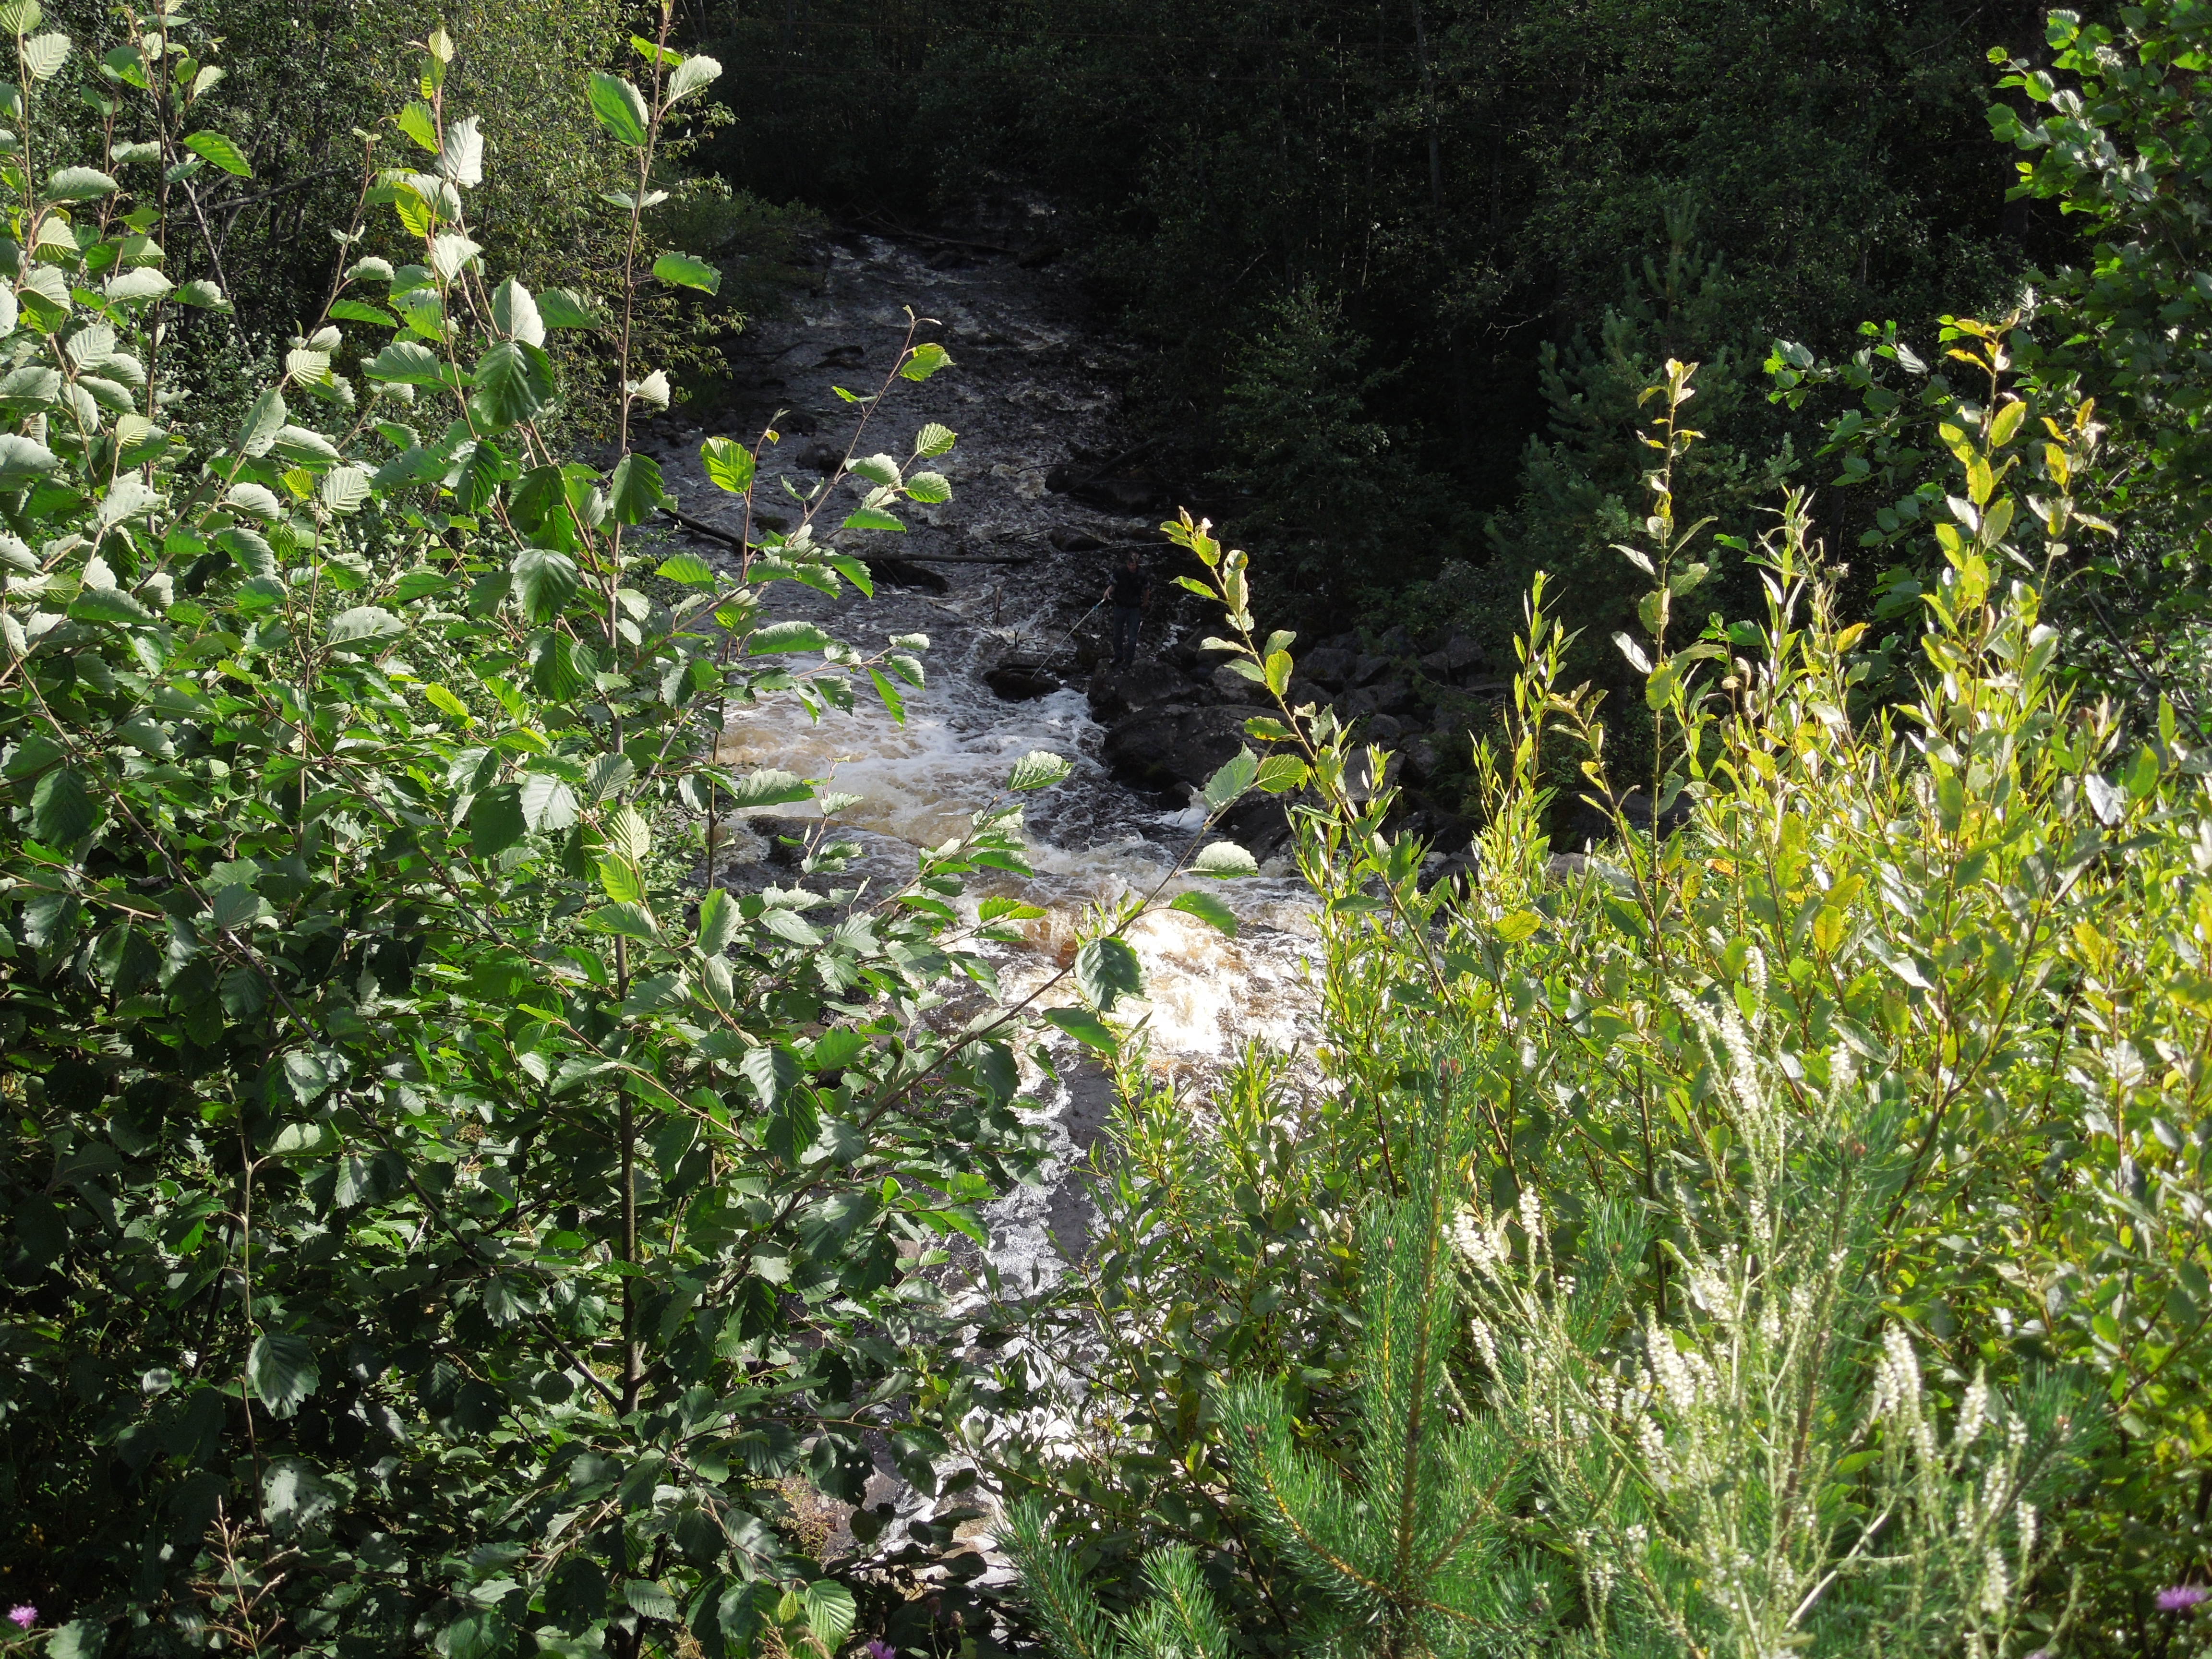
1030	384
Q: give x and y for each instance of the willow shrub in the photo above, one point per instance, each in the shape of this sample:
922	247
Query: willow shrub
1922	983
433	1220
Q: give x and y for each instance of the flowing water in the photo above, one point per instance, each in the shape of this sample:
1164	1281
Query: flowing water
1030	384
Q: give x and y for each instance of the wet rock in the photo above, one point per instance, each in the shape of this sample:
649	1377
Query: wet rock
1018	682
842	356
1260	824
821	458
1115	692
1038	254
1070	540
1329	665
1175	743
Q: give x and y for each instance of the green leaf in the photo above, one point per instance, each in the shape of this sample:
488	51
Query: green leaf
61	810
23	460
263	421
1206	908
876	469
933	440
1227	785
780	637
620	108
635	488
364	624
515	380
410	363
694	72
830	1610
1106	970
1083	1026
343	490
681	271
544	582
548	803
772	1069
1225	861
563	307
729	464
868	518
1039	769
926	360
1280	774
496	821
356	311
281	1368
79	185
221	151
688	568
928	487
628	918
418	122
718	922
769	787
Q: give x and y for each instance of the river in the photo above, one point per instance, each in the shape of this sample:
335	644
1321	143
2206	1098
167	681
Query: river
1030	383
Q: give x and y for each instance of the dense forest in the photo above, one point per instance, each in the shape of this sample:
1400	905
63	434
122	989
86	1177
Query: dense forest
499	1159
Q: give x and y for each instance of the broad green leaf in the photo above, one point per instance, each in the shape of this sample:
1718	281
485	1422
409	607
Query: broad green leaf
563	307
357	311
769	787
619	106
79	185
1039	769
688	568
281	1369
345	490
635	490
548	802
928	487
876	469
61	810
515	380
44	54
460	161
729	464
417	120
681	271
628	918
926	360
718	922
1106	970
1083	1026
545	582
785	636
364	624
999	907
496	821
23	460
514	313
408	362
1223	860
772	1069
867	517
1228	784
693	73
933	440
1206	908
1279	773
221	151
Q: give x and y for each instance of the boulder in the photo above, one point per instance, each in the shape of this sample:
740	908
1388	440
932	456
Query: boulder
1175	743
1329	665
1457	656
1229	686
1259	824
1115	692
1422	759
1070	540
1367	668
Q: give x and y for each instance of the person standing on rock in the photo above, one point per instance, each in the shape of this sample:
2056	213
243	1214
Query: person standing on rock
1130	592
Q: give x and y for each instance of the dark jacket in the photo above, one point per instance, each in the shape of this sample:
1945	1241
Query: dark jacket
1128	588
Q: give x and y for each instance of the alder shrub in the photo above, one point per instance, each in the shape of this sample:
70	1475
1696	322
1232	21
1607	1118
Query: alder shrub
435	1219
1786	1231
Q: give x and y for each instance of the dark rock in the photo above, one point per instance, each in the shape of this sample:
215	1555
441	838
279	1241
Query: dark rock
1391	693
1396	642
1129	495
797	424
901	573
1018	682
1422	759
1260	824
1590	825
821	458
1115	692
1069	540
842	356
1329	665
1229	686
1038	254
1175	743
1369	668
1382	728
1457	656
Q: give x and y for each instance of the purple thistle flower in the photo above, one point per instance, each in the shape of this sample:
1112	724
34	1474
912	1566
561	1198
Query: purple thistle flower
879	1648
2182	1597
23	1616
